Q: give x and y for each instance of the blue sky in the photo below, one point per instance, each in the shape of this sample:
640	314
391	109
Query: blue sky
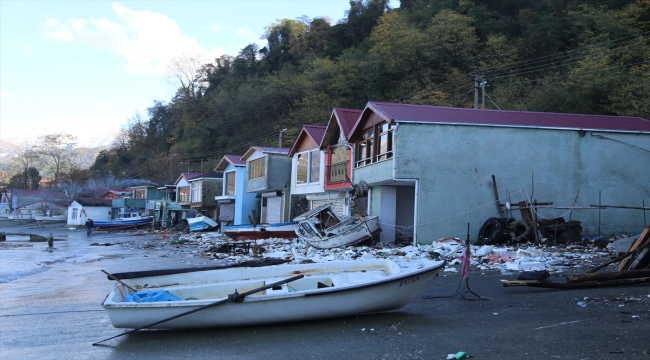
86	67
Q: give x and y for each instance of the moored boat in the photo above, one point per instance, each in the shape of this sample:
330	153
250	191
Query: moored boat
324	229
326	290
20	216
286	230
201	223
125	221
52	218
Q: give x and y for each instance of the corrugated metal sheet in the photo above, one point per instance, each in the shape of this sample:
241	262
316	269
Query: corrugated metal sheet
347	118
316	132
463	116
273	207
337	206
227	212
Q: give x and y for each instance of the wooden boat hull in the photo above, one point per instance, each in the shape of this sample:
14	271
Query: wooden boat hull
249	232
387	286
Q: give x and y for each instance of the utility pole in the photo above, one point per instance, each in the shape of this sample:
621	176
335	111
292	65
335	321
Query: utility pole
483	93
476	79
280	139
479	83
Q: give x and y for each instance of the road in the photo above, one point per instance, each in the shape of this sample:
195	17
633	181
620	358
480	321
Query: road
50	309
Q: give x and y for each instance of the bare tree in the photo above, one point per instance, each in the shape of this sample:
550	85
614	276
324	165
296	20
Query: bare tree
55	152
26	158
185	71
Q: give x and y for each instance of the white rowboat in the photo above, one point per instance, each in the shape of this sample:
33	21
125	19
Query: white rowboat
328	290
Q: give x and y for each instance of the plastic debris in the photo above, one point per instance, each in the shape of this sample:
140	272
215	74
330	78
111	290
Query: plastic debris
582	304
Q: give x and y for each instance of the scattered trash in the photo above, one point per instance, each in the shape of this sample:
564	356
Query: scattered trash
582	304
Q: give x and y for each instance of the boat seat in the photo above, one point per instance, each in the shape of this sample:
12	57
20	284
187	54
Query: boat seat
215	291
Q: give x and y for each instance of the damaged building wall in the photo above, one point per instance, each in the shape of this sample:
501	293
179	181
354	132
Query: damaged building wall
454	165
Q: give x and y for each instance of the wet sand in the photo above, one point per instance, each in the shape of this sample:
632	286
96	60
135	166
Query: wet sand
50	309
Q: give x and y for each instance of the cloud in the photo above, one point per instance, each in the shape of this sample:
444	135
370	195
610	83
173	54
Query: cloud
145	39
237	38
102	106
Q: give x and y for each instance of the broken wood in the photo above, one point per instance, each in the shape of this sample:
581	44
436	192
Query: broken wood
624	256
496	195
637	245
608	276
582	285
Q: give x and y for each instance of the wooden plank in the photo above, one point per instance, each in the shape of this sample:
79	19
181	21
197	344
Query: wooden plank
608	276
639	242
639	260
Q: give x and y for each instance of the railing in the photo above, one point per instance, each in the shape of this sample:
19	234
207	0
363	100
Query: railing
337	172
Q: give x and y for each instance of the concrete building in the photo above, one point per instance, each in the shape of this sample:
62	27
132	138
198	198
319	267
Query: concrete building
81	210
432	170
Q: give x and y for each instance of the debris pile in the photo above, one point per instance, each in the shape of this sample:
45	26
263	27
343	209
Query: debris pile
633	268
559	259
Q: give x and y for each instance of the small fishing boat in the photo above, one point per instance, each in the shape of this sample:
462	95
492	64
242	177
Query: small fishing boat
270	294
50	218
285	230
125	221
19	216
324	229
201	223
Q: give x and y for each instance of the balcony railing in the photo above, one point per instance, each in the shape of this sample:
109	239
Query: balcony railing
337	172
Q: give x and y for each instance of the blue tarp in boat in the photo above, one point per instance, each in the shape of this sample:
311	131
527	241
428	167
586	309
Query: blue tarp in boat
150	296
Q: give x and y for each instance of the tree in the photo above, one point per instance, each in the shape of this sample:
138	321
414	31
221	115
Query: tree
55	152
185	71
27	158
34	179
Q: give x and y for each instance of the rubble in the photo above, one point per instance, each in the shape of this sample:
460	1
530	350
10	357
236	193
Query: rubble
557	259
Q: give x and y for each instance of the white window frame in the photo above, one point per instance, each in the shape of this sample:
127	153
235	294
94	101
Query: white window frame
310	155
195	191
225	182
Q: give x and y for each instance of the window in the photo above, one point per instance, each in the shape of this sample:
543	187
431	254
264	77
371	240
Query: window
338	168
184	194
139	193
196	191
230	183
74	213
376	144
256	168
308	167
384	148
303	168
314	169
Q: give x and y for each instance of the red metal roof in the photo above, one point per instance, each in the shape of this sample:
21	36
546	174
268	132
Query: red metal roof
508	118
347	118
315	132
